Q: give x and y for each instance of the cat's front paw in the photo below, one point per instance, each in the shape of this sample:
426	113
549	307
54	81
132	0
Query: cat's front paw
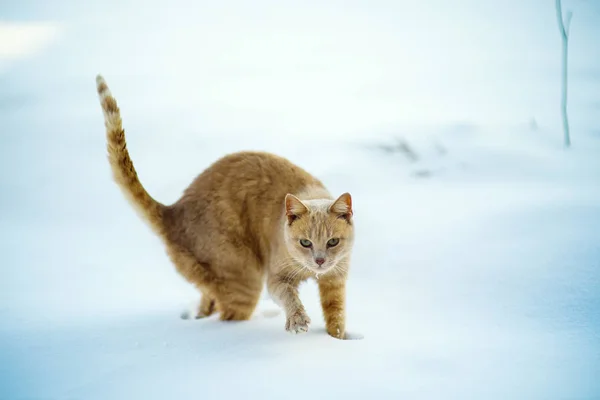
336	331
297	322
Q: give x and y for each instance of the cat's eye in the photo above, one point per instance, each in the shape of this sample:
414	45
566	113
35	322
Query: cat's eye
305	243
333	242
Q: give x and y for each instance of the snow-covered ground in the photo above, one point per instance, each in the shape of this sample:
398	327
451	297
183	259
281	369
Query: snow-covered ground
476	272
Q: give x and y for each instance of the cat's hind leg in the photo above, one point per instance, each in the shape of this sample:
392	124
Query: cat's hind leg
200	275
239	297
231	282
206	307
241	282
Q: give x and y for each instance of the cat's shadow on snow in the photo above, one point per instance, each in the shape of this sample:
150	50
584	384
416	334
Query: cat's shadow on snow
269	314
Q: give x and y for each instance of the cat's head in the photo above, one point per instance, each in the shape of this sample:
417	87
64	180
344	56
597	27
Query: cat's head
319	233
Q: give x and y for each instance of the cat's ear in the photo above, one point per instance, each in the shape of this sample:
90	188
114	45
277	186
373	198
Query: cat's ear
294	208
342	207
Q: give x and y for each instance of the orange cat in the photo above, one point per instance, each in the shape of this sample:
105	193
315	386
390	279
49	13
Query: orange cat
249	217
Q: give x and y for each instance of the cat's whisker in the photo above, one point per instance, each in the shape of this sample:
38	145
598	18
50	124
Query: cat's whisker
340	270
298	271
293	268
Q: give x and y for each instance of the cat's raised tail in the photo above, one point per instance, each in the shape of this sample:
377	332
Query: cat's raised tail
124	173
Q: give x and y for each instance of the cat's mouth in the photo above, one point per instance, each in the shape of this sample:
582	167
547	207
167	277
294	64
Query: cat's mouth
320	269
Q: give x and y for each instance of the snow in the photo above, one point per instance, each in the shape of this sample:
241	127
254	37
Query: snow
476	267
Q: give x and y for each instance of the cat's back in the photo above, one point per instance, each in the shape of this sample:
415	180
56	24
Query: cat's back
249	176
252	169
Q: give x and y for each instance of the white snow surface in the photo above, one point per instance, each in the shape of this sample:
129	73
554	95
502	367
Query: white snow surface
476	269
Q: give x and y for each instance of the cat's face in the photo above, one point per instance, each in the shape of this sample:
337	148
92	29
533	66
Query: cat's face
319	233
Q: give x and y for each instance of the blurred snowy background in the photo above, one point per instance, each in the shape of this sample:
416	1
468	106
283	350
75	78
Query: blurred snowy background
477	265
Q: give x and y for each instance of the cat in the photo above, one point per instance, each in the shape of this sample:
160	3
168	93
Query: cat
249	218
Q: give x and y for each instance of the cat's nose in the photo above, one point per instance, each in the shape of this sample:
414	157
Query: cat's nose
320	261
